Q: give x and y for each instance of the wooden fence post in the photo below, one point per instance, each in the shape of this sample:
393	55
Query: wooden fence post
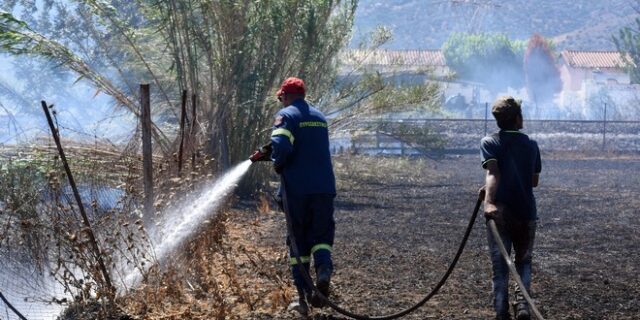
147	152
192	132
183	115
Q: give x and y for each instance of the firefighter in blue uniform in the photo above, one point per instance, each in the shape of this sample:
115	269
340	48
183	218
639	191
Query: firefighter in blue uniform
300	142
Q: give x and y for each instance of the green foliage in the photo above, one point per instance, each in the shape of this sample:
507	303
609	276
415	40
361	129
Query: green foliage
628	43
488	58
14	38
231	54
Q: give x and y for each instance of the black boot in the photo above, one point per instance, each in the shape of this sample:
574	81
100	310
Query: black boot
323	280
300	306
521	311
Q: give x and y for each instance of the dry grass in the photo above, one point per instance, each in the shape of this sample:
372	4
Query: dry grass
223	273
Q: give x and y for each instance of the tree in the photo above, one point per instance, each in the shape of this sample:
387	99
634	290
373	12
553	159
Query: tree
628	44
232	54
542	74
488	58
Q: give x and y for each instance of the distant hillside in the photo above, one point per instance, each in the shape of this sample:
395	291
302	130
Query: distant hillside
425	24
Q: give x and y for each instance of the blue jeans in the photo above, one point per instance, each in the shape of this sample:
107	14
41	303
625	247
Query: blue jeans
520	235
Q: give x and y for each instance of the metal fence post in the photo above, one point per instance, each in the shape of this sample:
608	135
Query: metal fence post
74	187
604	128
486	117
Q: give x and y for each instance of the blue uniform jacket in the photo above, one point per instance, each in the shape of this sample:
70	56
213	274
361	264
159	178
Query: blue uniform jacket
300	141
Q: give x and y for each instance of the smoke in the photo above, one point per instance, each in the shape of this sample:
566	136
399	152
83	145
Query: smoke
82	113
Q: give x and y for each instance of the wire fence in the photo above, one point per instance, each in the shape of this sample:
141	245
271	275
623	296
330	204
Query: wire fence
461	136
29	293
36	206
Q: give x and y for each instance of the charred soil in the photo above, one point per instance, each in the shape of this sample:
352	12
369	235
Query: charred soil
399	222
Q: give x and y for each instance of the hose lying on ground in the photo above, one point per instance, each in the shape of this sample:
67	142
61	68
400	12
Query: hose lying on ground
309	281
512	268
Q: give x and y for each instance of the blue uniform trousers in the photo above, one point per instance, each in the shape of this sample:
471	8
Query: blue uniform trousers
314	228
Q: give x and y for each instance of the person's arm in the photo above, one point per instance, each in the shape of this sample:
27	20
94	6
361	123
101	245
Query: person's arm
492	180
538	168
282	142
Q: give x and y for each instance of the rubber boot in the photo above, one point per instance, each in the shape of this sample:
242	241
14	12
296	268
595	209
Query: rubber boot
300	306
323	281
304	291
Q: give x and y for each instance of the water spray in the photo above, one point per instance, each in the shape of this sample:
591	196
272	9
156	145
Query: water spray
182	221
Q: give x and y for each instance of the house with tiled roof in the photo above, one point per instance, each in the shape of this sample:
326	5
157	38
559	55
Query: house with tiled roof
587	77
398	61
596	67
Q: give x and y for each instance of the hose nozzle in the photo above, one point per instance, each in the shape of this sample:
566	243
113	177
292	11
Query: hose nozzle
262	154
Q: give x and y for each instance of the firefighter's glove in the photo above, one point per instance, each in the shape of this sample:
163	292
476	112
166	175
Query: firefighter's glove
262	154
266	150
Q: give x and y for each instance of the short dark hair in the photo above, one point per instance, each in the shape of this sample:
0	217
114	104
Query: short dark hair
506	111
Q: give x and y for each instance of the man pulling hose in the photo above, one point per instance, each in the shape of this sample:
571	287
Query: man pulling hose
513	165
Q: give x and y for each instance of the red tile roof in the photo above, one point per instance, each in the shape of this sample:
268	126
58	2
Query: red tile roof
435	58
593	59
395	57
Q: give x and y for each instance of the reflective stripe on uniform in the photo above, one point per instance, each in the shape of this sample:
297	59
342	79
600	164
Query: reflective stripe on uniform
293	261
313	124
321	246
283	132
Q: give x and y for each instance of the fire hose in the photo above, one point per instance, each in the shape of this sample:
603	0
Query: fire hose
262	155
309	281
512	268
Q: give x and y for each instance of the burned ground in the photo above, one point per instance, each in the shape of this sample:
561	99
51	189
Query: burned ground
399	222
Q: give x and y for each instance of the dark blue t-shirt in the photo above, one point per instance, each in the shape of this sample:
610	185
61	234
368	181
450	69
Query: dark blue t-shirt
300	141
518	159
